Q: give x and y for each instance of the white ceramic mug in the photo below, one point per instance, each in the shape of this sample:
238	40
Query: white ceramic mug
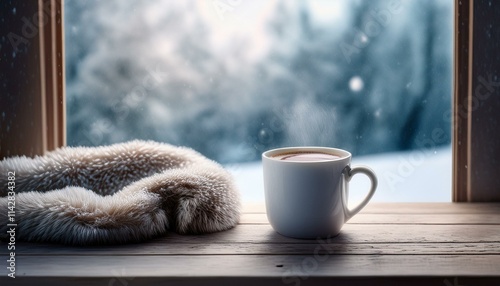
309	199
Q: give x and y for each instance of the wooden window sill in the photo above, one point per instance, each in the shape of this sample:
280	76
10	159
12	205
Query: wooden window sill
386	244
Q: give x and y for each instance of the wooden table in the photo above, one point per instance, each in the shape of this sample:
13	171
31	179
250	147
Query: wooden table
442	244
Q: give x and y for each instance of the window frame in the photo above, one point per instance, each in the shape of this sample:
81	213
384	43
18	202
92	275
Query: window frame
474	148
461	86
35	100
53	71
52	104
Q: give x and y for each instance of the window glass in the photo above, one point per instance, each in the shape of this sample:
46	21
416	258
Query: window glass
233	78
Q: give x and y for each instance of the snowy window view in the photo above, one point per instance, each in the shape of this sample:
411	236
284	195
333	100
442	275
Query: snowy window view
233	78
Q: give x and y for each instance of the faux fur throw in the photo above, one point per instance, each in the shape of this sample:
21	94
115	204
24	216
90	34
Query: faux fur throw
121	193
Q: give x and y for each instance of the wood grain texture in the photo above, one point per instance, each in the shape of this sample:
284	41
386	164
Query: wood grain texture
258	266
260	281
159	247
366	218
386	244
408	208
350	234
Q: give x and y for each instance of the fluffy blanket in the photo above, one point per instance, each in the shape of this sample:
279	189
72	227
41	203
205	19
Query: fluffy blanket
127	192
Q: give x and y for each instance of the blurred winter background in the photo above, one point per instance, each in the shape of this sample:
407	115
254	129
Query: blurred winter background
233	78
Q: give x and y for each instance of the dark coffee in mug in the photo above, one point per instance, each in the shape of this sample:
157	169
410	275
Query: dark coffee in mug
306	157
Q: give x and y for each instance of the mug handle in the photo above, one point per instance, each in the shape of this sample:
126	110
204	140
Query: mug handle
348	174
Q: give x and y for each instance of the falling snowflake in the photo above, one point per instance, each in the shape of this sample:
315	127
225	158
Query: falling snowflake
356	84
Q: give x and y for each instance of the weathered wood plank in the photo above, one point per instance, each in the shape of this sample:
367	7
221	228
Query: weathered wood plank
387	244
264	234
433	208
252	281
160	248
352	233
408	208
283	266
364	218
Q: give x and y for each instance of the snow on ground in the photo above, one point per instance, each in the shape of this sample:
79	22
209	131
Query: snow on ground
414	176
